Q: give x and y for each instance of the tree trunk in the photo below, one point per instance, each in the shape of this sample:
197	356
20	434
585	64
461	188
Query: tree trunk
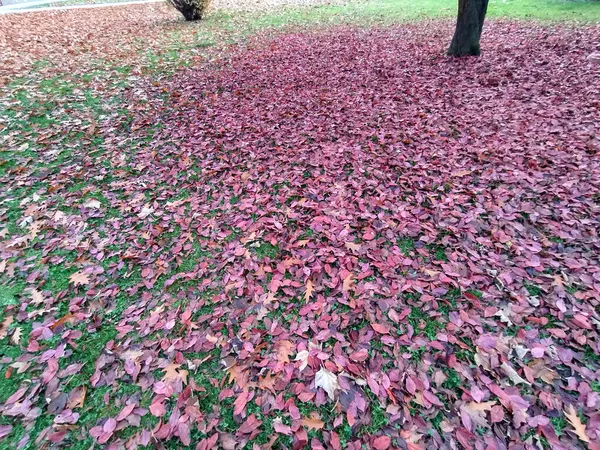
191	9
469	25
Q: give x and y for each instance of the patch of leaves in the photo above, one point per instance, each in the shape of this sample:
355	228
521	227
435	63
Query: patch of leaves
337	239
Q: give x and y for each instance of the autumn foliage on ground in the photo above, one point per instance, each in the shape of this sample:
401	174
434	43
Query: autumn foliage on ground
321	239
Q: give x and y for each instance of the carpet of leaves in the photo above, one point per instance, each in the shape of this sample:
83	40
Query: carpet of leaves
326	240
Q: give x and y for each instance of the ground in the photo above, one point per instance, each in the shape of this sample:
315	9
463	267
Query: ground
301	229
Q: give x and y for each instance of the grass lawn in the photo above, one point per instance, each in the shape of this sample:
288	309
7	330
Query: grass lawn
301	228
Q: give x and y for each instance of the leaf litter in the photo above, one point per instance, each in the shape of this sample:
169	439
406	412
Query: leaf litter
333	239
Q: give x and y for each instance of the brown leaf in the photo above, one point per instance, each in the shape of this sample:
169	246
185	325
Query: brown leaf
575	421
36	296
309	290
476	412
348	282
64	319
79	278
5	325
284	348
313	422
77	397
352	246
172	373
16	336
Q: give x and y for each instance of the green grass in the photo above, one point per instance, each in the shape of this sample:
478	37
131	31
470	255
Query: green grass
394	11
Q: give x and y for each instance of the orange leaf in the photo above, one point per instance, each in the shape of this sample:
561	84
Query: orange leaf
66	318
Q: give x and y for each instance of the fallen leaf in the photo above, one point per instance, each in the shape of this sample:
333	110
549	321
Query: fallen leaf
512	374
309	290
303	357
79	279
284	348
313	422
327	380
16	336
578	426
4	326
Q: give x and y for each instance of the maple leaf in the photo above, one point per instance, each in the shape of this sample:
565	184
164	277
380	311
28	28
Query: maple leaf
309	290
328	381
76	397
145	212
79	279
68	317
313	422
576	423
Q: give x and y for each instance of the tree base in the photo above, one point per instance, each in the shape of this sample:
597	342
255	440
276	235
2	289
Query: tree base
469	25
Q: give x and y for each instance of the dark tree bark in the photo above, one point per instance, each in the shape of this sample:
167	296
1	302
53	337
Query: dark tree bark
191	9
469	25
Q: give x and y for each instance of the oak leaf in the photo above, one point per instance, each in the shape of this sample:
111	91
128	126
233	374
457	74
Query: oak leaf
313	422
309	290
79	278
576	423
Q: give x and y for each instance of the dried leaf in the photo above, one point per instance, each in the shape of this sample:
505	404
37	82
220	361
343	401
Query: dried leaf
578	426
328	381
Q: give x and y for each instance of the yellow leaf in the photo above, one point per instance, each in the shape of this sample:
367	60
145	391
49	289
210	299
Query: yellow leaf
575	421
309	290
